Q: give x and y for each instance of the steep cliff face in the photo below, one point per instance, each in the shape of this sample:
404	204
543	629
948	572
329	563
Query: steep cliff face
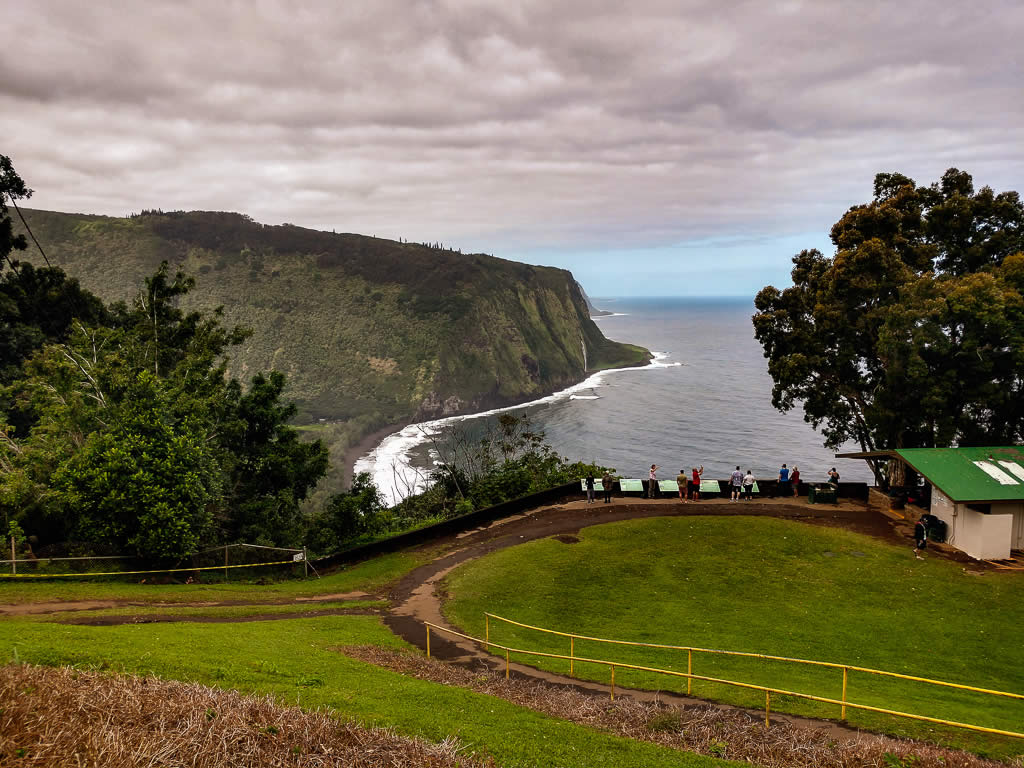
369	331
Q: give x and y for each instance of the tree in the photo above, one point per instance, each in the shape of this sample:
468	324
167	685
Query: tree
912	334
12	188
270	471
144	483
36	305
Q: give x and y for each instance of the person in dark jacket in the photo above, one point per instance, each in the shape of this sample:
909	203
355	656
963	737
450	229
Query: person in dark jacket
590	488
607	481
920	537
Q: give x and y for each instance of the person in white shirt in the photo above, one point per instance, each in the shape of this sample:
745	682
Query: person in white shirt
748	485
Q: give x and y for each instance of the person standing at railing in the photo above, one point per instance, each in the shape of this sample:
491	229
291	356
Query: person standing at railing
590	487
784	481
748	485
681	483
695	483
736	481
794	480
652	482
607	481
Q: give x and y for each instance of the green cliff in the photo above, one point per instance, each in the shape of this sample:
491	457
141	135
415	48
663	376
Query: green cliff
370	332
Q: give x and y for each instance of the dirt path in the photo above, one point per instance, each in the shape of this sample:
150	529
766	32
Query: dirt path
161	618
415	599
32	609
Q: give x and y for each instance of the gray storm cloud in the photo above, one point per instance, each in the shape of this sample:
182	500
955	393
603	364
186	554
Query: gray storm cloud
508	126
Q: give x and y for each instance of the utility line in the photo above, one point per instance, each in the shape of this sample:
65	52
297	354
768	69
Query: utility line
29	230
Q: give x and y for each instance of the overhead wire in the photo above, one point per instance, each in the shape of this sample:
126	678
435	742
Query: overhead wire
29	230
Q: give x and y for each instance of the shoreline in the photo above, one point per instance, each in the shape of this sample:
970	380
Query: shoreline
363	447
395	449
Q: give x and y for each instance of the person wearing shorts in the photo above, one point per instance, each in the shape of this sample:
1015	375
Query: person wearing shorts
737	482
695	482
748	485
681	482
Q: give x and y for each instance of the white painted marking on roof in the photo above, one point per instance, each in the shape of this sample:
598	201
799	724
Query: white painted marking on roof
1013	467
995	473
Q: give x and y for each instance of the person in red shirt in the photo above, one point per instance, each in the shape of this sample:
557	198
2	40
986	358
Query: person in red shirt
695	483
794	479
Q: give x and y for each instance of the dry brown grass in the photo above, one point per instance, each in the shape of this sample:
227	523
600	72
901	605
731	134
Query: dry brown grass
706	729
63	717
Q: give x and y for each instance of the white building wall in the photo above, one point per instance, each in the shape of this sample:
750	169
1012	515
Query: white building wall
1016	510
944	509
983	537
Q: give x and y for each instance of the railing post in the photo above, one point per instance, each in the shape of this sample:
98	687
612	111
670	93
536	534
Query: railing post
689	669
225	563
613	681
572	654
428	641
843	715
487	631
506	663
767	708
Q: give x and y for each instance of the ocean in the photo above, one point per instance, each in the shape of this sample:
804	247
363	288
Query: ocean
706	399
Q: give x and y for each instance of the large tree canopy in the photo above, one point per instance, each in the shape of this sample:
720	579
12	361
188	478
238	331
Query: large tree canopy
119	426
912	334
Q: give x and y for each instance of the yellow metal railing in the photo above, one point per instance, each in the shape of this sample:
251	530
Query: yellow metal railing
844	703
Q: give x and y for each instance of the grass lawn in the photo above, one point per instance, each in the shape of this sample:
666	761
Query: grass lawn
767	586
295	660
366	576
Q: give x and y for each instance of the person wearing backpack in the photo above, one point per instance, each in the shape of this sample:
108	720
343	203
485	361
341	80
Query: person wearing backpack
920	537
607	481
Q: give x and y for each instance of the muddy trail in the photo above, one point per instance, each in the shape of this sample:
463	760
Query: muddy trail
34	609
163	618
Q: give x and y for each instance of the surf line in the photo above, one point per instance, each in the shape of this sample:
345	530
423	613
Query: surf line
390	466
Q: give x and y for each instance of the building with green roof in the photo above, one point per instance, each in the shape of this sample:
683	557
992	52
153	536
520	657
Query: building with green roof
977	492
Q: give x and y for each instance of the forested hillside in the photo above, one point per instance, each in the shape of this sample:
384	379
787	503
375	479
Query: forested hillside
370	332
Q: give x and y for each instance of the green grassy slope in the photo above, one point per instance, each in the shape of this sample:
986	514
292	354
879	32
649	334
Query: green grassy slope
369	331
773	587
297	661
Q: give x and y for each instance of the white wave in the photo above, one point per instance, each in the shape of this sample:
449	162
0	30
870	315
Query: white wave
610	314
584	397
389	463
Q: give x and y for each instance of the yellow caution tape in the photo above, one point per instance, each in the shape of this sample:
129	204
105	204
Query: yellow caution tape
137	573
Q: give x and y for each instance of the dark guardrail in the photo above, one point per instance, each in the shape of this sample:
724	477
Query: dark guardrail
566	492
454	525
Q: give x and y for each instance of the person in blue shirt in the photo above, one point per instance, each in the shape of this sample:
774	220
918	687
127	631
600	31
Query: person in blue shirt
784	481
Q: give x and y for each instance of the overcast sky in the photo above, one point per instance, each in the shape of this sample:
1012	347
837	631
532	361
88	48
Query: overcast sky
651	147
